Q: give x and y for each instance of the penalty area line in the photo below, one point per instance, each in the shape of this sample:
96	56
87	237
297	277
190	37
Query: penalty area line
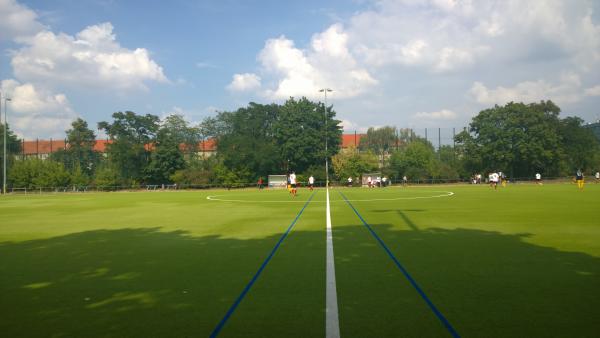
239	299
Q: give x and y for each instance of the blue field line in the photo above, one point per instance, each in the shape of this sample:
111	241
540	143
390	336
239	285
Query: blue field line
237	302
437	313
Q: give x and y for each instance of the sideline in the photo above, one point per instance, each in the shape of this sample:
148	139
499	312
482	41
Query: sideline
239	299
332	322
433	308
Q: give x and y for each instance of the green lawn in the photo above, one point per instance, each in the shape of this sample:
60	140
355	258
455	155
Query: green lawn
522	261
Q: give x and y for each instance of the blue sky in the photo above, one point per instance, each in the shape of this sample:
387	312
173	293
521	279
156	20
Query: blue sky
408	63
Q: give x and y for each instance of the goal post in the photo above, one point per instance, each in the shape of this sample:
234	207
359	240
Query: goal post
277	181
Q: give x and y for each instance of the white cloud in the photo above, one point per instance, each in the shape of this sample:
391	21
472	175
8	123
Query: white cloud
567	91
35	112
350	127
93	58
244	82
443	114
327	63
593	91
17	22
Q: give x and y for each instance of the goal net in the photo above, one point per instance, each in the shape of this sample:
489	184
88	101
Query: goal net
277	181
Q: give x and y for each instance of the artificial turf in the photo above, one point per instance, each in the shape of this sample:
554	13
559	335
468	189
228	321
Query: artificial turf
520	261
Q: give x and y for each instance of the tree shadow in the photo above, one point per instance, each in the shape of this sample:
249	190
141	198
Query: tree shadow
147	283
487	284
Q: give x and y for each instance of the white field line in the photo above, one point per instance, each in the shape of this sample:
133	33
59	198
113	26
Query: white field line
332	323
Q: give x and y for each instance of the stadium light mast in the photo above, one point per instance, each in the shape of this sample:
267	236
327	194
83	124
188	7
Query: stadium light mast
4	158
324	91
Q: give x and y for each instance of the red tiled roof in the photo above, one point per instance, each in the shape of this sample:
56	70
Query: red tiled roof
349	140
210	145
42	146
100	145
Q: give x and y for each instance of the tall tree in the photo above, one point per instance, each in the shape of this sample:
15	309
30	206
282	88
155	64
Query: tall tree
416	160
300	132
245	141
131	137
79	151
173	137
516	138
13	147
581	147
381	141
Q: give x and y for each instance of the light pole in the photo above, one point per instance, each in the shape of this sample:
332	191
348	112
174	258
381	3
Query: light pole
324	91
4	158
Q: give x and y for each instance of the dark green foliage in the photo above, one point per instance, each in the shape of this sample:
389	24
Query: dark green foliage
131	135
13	147
522	139
271	139
351	163
416	160
245	141
381	141
300	134
79	153
107	177
36	173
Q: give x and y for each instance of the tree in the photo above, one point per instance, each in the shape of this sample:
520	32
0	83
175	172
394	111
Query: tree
300	133
581	147
416	160
517	138
381	141
245	141
107	177
13	147
167	156
131	136
79	151
36	173
353	164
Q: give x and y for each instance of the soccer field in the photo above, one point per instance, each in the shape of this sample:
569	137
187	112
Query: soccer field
522	261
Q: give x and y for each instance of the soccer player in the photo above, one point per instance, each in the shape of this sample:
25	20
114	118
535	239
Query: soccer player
260	183
494	180
404	180
538	178
293	183
349	182
579	179
370	182
597	176
311	182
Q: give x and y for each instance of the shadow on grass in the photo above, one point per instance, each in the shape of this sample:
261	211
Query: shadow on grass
148	283
140	283
487	284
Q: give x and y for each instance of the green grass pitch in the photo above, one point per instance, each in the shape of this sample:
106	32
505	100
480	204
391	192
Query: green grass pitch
522	261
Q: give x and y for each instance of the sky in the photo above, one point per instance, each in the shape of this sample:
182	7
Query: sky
407	63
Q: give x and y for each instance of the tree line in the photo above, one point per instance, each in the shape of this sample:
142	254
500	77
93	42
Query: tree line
262	139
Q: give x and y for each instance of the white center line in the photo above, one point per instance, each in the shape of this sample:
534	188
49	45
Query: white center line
332	323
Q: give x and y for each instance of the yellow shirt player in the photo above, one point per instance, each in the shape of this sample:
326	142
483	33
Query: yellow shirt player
579	179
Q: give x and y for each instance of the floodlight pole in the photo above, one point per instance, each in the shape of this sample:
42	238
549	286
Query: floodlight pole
4	158
324	91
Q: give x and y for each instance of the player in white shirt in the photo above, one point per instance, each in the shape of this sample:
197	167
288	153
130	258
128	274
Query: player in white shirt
311	182
494	177
293	183
349	182
597	176
538	178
